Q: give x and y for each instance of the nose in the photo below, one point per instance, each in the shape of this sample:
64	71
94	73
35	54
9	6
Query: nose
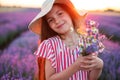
57	20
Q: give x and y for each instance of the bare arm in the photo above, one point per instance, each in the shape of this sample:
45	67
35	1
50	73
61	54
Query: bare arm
97	70
95	74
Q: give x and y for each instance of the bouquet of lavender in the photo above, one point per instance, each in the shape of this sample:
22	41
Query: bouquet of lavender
92	39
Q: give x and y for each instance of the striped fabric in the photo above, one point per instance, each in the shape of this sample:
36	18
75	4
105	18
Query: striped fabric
60	56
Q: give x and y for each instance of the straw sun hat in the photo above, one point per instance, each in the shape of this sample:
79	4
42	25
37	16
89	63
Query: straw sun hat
35	24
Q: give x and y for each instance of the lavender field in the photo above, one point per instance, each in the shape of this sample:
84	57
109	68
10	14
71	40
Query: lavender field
17	44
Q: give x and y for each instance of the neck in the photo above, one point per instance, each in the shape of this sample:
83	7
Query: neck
70	35
71	39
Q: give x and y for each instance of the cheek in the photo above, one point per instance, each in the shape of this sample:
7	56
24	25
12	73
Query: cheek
52	26
68	20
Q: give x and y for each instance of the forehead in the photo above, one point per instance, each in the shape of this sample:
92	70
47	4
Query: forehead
54	10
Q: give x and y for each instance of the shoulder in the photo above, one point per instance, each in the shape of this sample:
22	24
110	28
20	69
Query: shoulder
46	46
53	38
50	41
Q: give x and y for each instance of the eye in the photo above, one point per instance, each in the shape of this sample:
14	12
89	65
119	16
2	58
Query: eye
49	20
60	13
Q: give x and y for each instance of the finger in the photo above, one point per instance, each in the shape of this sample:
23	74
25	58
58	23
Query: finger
88	62
87	67
89	57
90	66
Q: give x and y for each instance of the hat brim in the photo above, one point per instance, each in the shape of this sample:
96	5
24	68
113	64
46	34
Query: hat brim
35	24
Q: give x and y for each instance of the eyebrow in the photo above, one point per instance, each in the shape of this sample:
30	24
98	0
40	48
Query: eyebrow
55	12
58	11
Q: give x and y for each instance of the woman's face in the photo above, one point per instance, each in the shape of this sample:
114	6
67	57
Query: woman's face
59	20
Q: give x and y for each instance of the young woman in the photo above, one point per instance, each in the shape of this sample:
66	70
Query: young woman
57	23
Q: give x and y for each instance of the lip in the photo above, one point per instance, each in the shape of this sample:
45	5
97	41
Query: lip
59	26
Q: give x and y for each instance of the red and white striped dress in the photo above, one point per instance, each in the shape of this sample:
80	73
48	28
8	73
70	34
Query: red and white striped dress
60	56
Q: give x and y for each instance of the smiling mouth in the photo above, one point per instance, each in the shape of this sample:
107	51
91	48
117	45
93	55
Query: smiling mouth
60	25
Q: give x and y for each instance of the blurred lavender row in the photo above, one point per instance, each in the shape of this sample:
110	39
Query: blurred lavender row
111	58
19	58
12	24
17	45
17	61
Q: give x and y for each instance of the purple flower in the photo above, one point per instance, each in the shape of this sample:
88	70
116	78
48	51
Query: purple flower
92	48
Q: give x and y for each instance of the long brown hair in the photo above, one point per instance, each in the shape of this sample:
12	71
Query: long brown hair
47	32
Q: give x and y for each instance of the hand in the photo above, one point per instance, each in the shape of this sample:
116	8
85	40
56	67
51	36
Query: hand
89	62
95	62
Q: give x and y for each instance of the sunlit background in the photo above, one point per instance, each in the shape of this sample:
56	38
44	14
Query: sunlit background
80	4
18	43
